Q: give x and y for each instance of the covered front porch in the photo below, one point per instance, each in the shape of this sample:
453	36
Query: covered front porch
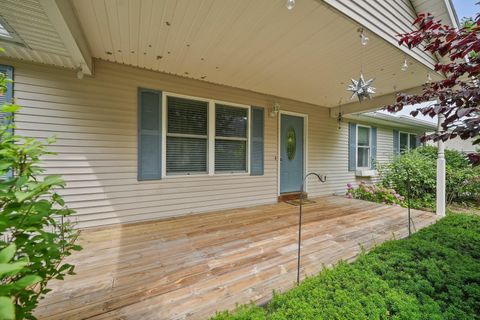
189	267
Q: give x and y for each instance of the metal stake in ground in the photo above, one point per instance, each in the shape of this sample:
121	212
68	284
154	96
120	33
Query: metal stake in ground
408	202
321	179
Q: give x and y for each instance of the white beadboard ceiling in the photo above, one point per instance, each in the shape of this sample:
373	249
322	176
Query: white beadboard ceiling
308	54
30	22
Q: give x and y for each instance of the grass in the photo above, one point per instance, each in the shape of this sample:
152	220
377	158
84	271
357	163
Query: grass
434	274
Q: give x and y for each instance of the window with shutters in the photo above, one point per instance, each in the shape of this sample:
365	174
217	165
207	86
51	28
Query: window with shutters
187	136
203	136
231	138
407	141
363	147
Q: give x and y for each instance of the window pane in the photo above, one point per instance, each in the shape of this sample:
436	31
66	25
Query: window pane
230	155
363	136
230	121
187	116
413	141
186	155
403	141
363	155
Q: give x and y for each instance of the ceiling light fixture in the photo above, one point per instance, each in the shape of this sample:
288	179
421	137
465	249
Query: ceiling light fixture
290	4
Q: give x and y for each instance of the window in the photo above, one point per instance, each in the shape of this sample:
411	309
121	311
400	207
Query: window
205	136
187	136
363	147
231	136
408	141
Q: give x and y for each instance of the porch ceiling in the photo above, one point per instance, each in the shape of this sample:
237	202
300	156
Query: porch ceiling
307	54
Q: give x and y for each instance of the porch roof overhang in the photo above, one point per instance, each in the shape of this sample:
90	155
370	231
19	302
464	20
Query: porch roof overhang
307	54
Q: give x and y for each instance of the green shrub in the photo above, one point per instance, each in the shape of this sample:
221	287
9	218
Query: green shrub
375	193
434	274
33	238
462	180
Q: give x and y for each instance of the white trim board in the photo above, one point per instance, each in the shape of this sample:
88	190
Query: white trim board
305	144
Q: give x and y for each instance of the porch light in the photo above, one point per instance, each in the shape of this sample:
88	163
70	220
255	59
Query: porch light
275	110
80	72
363	38
290	4
405	65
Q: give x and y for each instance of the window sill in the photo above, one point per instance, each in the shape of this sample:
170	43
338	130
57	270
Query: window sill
365	173
204	175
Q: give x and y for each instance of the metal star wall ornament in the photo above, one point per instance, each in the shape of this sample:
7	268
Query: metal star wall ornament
361	88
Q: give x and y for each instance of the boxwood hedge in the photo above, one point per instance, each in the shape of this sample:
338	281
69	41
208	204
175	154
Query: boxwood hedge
434	274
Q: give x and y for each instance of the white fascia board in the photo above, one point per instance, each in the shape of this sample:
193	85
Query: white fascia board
63	18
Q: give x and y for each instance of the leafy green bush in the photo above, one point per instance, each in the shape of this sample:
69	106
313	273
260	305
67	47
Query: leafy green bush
33	238
462	180
375	193
434	274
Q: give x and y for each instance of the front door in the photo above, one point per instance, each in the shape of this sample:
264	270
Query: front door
291	153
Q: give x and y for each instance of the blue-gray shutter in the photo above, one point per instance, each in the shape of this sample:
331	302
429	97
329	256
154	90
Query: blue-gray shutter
352	146
6	98
256	142
396	142
417	141
149	134
373	163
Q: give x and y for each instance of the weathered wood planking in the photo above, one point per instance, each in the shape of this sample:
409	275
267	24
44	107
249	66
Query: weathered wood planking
189	267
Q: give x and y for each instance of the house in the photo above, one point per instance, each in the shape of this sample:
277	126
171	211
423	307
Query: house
172	108
167	108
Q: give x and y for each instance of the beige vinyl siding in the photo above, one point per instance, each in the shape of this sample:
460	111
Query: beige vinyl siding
384	145
385	18
95	121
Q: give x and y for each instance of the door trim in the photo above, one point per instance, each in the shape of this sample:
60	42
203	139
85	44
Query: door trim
305	144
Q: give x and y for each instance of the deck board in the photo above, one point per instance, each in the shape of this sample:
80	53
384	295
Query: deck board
189	267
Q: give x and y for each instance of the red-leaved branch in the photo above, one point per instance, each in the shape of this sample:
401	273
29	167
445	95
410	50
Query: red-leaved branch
457	95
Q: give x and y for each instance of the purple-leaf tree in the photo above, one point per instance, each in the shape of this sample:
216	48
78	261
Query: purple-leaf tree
457	95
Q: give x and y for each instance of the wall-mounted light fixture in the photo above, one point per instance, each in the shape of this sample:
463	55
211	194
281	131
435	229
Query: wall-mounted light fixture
290	4
80	72
275	110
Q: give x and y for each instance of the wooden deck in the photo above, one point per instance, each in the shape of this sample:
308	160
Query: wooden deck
189	267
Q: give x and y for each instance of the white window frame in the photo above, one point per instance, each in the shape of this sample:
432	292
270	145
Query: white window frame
369	147
408	139
210	136
247	139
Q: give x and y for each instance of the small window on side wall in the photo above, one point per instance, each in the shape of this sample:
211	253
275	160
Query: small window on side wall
408	141
363	147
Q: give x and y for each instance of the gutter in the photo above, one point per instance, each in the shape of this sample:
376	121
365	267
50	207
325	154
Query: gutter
403	122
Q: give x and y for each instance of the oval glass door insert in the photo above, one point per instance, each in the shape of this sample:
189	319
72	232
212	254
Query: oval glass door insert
291	143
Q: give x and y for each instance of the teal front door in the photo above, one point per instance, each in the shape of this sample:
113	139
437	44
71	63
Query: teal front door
291	153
